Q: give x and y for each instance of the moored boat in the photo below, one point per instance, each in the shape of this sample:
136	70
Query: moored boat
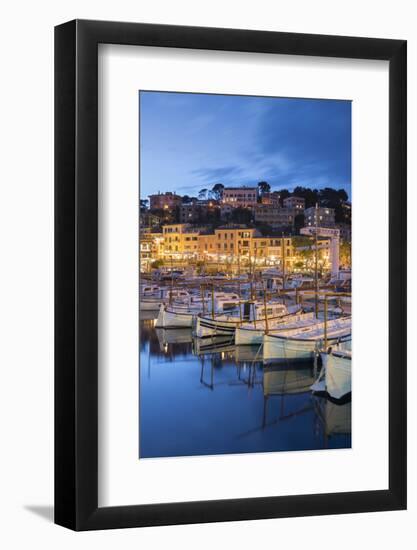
336	375
302	344
175	317
152	301
252	333
178	315
209	326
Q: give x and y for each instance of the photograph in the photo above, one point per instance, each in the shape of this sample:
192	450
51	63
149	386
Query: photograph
245	274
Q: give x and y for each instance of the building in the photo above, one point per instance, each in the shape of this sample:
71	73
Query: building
199	211
280	248
180	240
275	216
345	231
147	219
247	245
298	203
228	241
271	198
164	201
225	211
331	235
345	212
150	248
189	212
244	197
325	216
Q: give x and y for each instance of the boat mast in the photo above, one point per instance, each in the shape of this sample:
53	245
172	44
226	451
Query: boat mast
283	260
238	284
172	281
316	264
265	310
253	293
212	300
202	289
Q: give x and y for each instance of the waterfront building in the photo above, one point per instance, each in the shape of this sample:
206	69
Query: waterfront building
227	241
244	197
180	240
333	236
325	216
150	249
298	203
164	201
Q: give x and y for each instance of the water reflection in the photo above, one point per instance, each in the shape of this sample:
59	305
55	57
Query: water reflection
210	397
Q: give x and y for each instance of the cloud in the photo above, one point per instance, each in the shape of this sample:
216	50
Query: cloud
190	141
216	174
313	135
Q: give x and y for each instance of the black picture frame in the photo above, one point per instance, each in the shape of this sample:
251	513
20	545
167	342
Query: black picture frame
76	272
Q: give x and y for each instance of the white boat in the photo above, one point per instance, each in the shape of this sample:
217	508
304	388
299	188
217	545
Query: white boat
175	317
252	333
221	325
179	315
335	377
152	302
302	344
299	283
149	290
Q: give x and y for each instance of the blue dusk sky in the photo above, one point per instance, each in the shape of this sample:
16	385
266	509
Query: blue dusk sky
190	142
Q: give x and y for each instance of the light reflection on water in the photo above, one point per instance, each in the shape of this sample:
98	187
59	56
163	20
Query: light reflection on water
199	402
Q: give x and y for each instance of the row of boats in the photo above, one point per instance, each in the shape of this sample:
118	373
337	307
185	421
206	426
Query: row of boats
282	331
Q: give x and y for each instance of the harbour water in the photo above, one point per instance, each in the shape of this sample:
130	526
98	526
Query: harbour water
222	399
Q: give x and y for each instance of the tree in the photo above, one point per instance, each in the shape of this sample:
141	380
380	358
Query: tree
284	193
310	196
263	187
345	254
143	204
202	194
265	229
299	222
241	215
217	191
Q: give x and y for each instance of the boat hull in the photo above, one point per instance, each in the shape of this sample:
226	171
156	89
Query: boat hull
338	374
172	319
207	328
150	305
278	349
251	336
248	337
